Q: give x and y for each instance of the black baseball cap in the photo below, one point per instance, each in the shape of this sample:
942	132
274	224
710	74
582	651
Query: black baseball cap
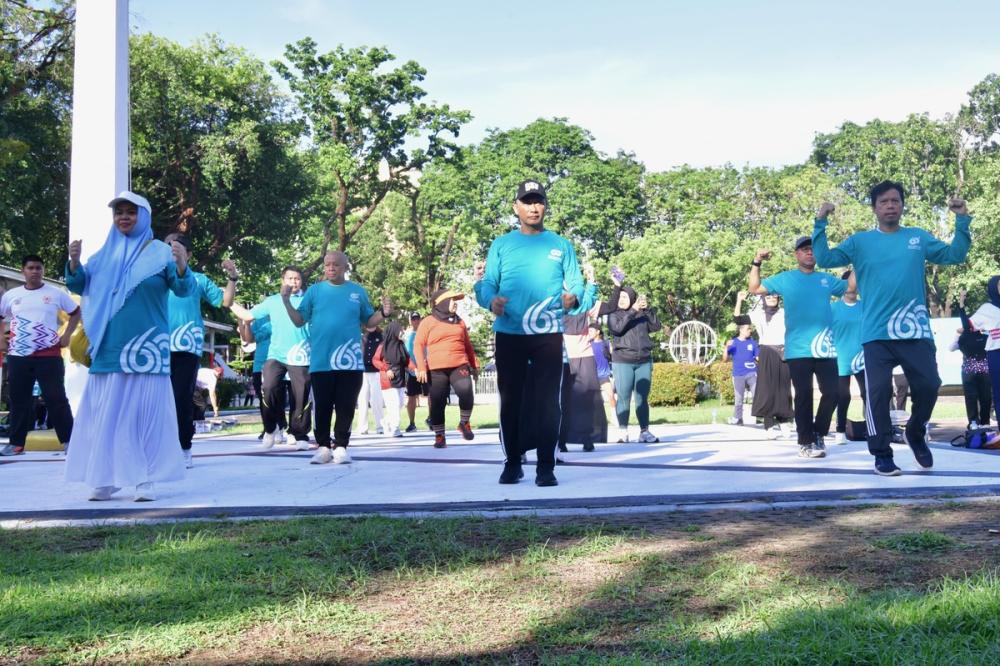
416	315
528	187
802	241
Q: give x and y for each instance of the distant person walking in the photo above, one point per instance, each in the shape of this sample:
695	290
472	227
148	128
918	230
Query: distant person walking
632	360
743	350
772	398
371	385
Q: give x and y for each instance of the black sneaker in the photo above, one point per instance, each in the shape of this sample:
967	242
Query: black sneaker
411	428
921	452
818	447
588	446
260	436
524	458
511	474
545	478
884	466
560	461
563	449
428	422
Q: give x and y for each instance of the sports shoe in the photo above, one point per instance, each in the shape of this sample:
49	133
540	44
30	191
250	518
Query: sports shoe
818	448
840	439
647	437
144	492
466	430
397	433
322	456
732	420
279	436
805	451
411	428
622	435
103	493
921	452
511	473
302	445
261	435
524	458
774	432
188	459
363	432
11	450
588	446
268	441
439	442
341	456
563	449
884	466
545	477
379	431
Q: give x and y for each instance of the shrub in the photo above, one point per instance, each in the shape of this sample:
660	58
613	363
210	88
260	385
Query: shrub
226	390
720	377
676	384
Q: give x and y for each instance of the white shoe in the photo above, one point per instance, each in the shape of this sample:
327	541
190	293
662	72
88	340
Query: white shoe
144	492
103	493
268	441
279	436
322	456
363	432
622	435
188	459
732	420
840	438
397	433
302	445
775	432
380	432
647	437
341	456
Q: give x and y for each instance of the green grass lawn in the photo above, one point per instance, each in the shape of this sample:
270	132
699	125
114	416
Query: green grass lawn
793	587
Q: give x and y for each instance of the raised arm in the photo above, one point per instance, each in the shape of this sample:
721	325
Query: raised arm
293	314
754	285
741	296
825	256
232	275
939	252
241	312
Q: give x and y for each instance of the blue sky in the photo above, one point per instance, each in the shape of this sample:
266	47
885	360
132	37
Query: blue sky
701	83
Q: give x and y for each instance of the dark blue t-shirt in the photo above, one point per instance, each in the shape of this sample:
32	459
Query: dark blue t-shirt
744	354
600	348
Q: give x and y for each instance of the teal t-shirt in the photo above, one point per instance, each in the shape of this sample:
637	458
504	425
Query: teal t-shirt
532	270
890	272
137	340
289	343
807	311
261	329
187	328
846	327
335	313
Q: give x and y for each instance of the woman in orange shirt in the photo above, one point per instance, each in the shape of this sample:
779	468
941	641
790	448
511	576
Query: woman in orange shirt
444	357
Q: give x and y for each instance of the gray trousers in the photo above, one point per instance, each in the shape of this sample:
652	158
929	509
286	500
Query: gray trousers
742	383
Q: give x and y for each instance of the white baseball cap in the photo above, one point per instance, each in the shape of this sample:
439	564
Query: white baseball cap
131	197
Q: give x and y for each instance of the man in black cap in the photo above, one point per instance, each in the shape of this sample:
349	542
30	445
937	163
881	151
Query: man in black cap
809	348
532	276
414	388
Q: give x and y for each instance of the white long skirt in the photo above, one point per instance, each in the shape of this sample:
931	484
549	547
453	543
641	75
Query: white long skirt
125	432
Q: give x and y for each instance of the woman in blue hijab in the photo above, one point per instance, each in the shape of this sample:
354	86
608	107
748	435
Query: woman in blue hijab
125	433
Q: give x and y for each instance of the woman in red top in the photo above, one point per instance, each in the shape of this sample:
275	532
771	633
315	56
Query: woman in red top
444	357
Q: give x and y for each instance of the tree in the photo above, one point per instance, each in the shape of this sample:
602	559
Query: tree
214	148
363	120
35	90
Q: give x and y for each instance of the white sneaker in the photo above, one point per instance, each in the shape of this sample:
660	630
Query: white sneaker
103	493
840	438
279	436
322	456
188	459
397	433
775	432
341	456
647	437
380	432
622	435
302	445
268	441
144	492
363	432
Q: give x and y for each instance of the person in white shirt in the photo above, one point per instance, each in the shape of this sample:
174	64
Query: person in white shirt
987	320
34	352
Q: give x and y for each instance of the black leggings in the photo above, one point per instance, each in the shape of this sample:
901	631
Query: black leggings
442	381
978	397
802	371
49	372
335	390
844	397
275	392
183	375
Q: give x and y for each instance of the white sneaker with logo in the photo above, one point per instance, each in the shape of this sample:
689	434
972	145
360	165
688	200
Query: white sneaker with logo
647	437
341	456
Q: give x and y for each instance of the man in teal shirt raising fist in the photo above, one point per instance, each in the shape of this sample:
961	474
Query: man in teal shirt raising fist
895	327
532	276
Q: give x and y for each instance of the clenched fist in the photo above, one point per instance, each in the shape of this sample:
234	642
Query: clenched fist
957	206
825	210
180	256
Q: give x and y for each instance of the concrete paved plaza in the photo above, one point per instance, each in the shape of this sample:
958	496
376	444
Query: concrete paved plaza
233	477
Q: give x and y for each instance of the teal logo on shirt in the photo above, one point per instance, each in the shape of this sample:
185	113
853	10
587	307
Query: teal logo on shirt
142	355
347	357
539	319
910	322
858	362
822	345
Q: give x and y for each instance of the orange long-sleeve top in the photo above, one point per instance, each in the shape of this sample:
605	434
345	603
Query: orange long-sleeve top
439	344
